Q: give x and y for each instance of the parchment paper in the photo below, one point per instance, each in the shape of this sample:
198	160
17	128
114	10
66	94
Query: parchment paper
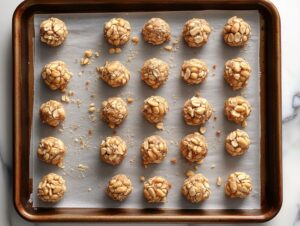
86	188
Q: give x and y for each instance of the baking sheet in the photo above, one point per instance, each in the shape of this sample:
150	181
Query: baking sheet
86	187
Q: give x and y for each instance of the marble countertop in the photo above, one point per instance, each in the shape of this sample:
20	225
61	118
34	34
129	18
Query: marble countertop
290	211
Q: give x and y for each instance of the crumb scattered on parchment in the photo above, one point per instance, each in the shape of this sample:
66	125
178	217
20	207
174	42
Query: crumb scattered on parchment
85	61
97	53
142	178
214	66
196	167
202	129
89	189
160	126
114	50
130	100
90	132
215	118
213	166
173	161
219	181
88	53
189	173
92	108
65	98
135	39
82	167
168	48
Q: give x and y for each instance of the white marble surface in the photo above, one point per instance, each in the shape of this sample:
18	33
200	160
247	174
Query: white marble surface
290	212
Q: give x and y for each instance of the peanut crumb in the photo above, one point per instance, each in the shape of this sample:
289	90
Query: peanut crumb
92	108
168	48
85	61
142	178
130	100
218	133
90	132
118	50
202	130
173	161
65	98
135	39
196	167
214	66
212	166
82	167
111	51
97	53
71	93
219	181
88	53
160	126
189	173
89	189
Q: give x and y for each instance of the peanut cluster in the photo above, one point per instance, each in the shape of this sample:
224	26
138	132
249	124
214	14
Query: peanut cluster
53	31
153	150
236	32
156	31
51	150
156	189
117	31
196	32
113	150
119	187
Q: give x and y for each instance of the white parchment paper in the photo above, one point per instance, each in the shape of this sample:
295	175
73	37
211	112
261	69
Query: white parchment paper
86	188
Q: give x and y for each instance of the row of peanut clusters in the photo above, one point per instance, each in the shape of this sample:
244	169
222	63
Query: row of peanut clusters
154	73
196	111
156	31
195	188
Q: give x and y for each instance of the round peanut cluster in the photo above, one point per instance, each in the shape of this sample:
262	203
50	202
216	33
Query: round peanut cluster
238	185
196	188
237	109
194	71
156	31
237	72
119	187
156	189
113	150
114	73
56	75
153	150
114	111
117	31
155	108
196	32
196	111
51	150
51	188
155	72
52	112
53	31
236	32
194	147
237	142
